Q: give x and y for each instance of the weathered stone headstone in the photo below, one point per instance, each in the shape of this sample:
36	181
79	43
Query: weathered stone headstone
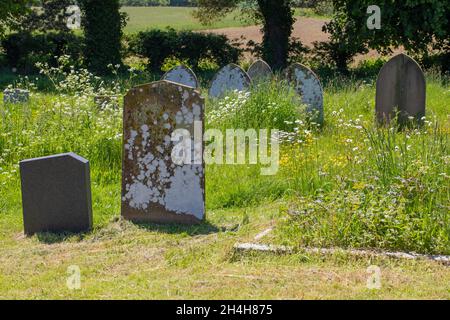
229	78
308	86
182	75
400	89
15	95
260	71
155	187
56	194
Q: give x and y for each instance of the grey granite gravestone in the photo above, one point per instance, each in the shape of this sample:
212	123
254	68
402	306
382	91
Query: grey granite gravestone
307	85
260	71
15	95
155	187
229	78
56	194
182	75
401	89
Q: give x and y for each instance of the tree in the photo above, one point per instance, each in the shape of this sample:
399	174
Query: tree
10	10
52	15
277	17
102	24
417	25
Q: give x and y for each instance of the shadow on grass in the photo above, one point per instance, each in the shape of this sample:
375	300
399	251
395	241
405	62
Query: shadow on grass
203	228
52	238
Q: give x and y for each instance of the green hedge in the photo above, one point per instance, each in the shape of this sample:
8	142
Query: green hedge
23	50
193	47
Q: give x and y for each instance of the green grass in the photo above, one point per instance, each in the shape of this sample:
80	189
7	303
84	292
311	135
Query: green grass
180	18
349	184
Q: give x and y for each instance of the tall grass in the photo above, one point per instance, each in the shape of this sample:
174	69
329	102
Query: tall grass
348	183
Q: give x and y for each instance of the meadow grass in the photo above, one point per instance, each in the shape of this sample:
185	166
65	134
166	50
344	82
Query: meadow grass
180	18
348	184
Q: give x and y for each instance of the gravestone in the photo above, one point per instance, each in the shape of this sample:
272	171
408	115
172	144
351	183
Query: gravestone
260	71
16	95
155	187
56	194
182	75
308	86
400	89
229	78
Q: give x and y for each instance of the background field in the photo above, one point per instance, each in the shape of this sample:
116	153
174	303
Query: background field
180	18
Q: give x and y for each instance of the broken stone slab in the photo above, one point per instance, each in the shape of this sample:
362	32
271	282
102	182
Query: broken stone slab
15	96
229	78
401	89
56	194
307	85
260	71
248	247
254	247
182	75
156	186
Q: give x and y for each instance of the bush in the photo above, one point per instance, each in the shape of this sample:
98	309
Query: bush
23	50
192	47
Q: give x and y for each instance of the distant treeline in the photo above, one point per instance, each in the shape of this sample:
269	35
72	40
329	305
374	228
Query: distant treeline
154	3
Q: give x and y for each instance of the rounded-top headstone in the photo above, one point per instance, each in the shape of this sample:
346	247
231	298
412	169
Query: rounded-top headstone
401	89
260	71
182	75
229	78
307	85
155	187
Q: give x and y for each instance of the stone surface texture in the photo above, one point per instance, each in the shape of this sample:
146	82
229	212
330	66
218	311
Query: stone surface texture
401	90
229	78
154	187
182	75
56	194
308	86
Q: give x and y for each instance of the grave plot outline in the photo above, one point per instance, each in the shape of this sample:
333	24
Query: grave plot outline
218	88
172	77
154	111
400	90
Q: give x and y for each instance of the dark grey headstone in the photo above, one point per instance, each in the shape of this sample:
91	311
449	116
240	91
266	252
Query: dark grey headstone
401	90
56	194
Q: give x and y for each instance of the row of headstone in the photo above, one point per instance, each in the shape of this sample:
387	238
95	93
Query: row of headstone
56	190
234	78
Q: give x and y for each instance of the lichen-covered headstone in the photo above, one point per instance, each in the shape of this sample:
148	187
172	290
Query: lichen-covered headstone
400	89
15	95
260	71
182	75
308	86
155	186
56	194
229	78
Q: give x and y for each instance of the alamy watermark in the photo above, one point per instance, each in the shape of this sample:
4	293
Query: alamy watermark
73	281
374	279
235	147
374	20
